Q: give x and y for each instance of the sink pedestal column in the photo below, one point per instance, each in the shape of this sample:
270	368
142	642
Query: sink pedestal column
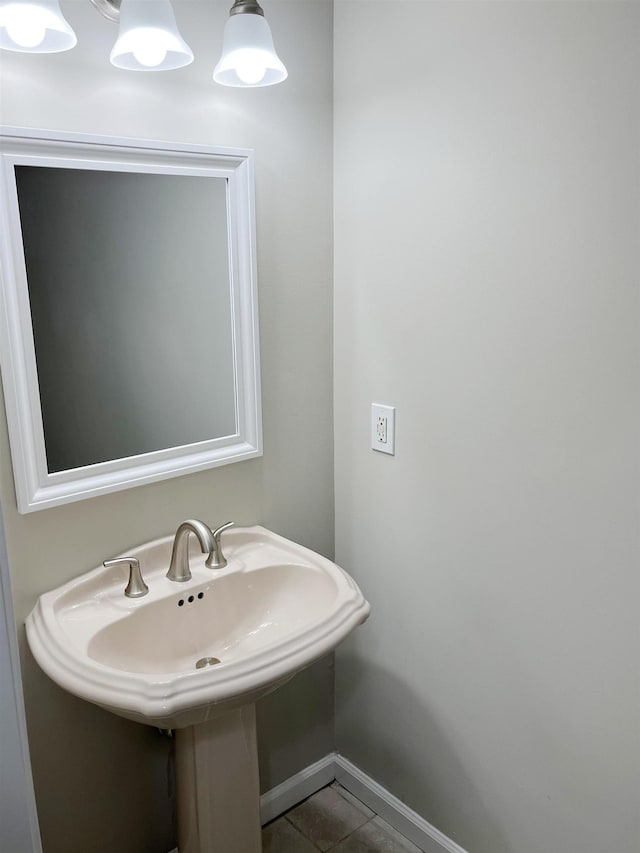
218	789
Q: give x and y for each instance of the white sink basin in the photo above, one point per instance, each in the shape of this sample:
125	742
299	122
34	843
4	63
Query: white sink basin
272	611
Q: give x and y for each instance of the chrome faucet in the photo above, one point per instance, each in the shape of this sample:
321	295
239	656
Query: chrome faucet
209	543
179	566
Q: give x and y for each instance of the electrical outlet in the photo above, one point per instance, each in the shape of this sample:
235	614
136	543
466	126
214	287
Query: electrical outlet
383	428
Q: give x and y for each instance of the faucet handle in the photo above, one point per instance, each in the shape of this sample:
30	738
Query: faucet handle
136	587
216	559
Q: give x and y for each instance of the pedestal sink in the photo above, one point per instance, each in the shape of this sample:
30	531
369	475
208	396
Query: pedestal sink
195	657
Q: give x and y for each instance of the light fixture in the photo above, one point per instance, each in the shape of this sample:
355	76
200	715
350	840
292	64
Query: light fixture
248	55
148	39
34	26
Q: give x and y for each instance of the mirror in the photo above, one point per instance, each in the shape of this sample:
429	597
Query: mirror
129	312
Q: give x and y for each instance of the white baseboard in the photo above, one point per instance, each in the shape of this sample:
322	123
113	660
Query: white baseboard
394	811
334	766
297	788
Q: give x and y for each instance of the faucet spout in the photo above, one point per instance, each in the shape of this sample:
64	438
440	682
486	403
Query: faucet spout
179	567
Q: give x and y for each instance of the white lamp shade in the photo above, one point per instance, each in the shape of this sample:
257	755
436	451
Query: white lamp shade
248	55
34	26
149	39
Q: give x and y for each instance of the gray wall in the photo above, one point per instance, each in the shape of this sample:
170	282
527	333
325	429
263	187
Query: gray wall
101	782
18	819
487	219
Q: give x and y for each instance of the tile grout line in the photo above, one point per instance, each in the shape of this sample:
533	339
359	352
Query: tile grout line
306	837
337	787
353	832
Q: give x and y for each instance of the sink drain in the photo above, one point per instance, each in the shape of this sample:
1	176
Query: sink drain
200	664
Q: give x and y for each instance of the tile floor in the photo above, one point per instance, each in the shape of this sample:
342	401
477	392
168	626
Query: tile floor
333	820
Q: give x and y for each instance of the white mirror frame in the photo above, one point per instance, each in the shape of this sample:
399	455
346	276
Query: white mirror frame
36	488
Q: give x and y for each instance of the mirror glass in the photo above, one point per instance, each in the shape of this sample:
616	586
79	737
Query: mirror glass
129	294
123	318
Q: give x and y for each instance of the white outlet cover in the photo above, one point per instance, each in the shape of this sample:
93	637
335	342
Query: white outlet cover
389	414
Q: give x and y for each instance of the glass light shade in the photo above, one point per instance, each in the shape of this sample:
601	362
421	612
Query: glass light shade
34	26
248	55
149	39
